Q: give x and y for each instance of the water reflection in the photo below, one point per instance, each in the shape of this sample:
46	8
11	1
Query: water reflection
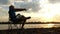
5	26
42	25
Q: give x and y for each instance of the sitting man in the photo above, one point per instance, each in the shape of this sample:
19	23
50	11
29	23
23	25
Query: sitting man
12	15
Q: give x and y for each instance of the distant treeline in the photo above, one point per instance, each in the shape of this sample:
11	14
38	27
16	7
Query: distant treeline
32	23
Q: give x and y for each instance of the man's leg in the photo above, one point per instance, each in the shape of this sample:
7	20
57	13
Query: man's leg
24	20
23	23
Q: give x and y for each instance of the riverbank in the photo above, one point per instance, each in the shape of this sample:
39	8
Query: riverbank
32	31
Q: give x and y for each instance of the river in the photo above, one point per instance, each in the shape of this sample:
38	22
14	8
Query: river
5	26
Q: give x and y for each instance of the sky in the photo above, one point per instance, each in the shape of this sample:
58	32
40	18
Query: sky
39	10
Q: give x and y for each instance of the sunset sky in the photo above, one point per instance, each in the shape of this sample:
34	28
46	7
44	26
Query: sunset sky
39	10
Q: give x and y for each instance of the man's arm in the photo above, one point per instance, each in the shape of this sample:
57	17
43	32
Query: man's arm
21	9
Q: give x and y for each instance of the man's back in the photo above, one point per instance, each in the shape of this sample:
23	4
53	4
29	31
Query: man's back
12	11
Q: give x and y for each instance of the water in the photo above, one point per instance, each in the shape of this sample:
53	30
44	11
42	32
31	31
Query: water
5	26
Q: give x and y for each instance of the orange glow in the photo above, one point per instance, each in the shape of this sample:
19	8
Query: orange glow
48	12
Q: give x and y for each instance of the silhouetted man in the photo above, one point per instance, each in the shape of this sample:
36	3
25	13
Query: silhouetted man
12	15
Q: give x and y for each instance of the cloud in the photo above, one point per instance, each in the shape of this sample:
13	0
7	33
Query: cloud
54	1
6	8
33	5
4	2
23	0
3	12
17	0
3	15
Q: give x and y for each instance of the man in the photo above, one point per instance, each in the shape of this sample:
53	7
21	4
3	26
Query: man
12	15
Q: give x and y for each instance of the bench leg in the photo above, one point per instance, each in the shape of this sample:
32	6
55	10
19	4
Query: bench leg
10	26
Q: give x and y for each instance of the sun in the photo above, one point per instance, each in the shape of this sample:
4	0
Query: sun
49	10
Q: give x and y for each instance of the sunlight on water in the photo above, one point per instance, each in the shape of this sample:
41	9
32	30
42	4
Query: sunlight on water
41	25
49	26
5	26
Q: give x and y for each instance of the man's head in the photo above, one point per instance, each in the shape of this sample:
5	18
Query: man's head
11	7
